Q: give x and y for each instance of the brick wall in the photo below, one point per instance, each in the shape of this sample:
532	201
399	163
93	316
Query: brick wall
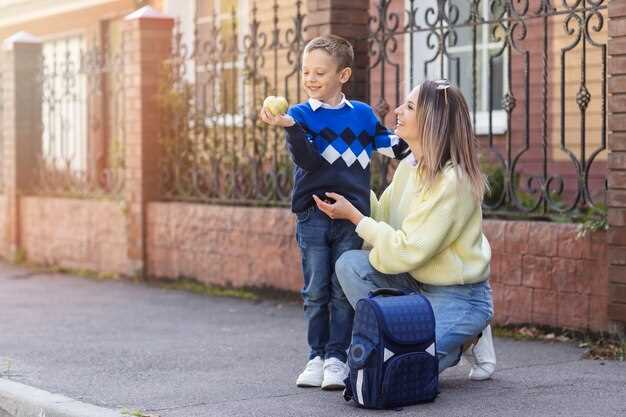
74	233
236	246
541	273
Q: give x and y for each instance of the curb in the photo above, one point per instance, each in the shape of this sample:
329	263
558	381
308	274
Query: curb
23	401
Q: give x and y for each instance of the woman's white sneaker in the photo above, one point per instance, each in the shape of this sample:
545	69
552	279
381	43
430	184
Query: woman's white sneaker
313	373
483	357
335	372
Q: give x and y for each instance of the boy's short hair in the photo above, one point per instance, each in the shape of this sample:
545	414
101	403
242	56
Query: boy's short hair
335	46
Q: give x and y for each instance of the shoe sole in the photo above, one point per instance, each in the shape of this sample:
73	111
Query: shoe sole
333	387
307	386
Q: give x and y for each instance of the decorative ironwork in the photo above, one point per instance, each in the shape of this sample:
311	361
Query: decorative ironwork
487	48
83	140
217	150
502	53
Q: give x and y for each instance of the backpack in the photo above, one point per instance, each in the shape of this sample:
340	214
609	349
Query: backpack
392	357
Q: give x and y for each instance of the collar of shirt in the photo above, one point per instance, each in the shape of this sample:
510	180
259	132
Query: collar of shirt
316	104
410	159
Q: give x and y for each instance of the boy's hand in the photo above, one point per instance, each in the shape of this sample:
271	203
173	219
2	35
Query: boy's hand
282	120
340	209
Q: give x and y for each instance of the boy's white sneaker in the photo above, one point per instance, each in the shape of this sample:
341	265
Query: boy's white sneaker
482	357
313	373
335	372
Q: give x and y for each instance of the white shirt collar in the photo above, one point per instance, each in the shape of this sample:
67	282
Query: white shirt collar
316	104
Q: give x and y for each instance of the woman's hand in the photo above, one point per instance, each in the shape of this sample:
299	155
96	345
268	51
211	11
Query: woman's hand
340	209
281	120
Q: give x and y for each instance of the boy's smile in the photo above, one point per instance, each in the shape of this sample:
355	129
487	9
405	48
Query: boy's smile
322	81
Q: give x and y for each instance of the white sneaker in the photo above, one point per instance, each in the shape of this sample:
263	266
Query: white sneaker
312	374
335	372
482	356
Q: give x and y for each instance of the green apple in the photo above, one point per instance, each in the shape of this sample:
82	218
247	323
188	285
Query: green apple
276	104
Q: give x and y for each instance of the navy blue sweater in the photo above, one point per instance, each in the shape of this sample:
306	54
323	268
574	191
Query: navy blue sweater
332	149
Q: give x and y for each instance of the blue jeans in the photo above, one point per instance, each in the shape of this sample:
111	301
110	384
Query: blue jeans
327	311
461	311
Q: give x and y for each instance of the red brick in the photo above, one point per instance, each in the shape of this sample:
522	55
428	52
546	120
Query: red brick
617	274
545	307
616	9
616	198
598	313
617	217
568	276
617	293
514	304
236	270
597	274
617	312
617	121
617	255
496	266
616	235
511	272
536	272
570	246
494	231
617	84
617	140
543	238
617	46
617	180
516	237
573	311
617	27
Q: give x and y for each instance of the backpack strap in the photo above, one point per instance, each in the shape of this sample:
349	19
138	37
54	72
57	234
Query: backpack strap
394	292
347	392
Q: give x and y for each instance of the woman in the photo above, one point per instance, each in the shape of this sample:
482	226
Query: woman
425	233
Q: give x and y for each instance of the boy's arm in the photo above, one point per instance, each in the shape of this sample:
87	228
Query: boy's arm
303	151
388	144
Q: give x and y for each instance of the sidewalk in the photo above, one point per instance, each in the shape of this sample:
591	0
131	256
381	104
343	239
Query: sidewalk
176	354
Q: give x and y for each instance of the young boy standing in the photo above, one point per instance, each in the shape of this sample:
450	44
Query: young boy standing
331	140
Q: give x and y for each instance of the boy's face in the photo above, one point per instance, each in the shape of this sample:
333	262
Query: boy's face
320	76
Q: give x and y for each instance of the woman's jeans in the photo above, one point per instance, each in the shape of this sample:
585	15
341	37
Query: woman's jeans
328	313
461	311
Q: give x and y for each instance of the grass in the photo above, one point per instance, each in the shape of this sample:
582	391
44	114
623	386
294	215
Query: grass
598	346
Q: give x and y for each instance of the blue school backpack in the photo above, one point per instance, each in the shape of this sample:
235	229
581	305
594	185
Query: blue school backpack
392	357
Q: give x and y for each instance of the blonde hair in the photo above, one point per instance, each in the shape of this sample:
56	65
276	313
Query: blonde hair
336	46
445	131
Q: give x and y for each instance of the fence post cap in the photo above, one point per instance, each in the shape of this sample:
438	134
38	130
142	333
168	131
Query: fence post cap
19	37
147	12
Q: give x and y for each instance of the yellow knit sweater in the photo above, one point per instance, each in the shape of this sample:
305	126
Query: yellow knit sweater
435	235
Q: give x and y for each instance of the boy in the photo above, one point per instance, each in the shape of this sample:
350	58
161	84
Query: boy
331	140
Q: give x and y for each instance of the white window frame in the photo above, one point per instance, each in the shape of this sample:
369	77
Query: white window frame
499	117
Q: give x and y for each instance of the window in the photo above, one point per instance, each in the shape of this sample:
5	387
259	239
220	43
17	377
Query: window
457	64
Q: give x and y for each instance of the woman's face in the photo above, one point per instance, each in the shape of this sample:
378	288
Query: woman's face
406	122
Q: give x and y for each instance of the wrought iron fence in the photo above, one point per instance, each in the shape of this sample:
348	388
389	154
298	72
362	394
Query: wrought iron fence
216	149
534	74
83	138
533	71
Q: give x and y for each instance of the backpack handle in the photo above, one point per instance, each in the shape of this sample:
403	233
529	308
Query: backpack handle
393	292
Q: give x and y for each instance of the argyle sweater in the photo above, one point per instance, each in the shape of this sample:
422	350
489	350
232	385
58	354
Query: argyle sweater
332	149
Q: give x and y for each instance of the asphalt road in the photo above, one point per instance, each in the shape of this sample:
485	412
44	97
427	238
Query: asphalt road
176	354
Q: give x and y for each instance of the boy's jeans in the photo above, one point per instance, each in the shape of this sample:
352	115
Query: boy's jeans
327	311
461	311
